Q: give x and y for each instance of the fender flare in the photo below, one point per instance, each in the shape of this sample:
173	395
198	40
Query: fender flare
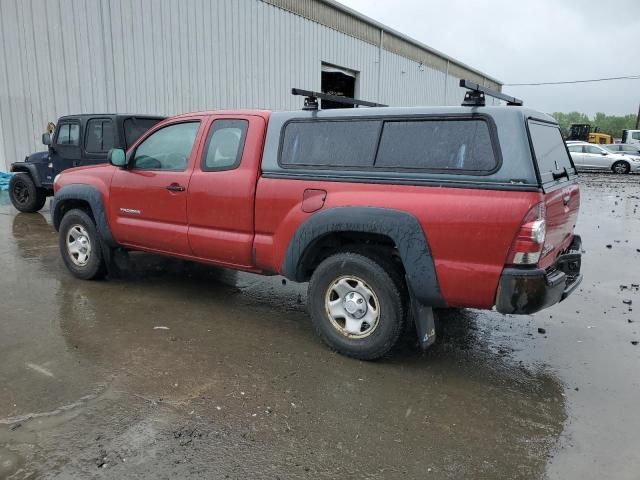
92	196
401	227
30	168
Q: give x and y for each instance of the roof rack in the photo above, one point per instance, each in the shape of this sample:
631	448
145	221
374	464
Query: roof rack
475	96
311	99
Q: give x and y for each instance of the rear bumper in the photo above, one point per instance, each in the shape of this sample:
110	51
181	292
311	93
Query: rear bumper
524	291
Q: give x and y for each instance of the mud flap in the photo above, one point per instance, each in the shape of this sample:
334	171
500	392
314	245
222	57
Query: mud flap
425	323
116	260
121	259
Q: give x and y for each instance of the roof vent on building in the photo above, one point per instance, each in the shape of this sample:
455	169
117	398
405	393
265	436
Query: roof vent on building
475	96
311	99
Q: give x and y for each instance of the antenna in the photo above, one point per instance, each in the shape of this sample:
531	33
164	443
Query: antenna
475	96
311	99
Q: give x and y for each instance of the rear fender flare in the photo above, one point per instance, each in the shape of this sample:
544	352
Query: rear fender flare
89	194
401	227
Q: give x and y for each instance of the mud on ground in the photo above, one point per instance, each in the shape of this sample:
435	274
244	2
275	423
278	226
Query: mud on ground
182	370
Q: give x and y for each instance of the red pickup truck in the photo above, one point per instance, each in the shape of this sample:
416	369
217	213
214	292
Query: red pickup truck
386	212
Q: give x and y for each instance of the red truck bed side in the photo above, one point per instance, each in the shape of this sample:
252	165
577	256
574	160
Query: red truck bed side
469	231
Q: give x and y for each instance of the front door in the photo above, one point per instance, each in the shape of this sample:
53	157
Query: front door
65	150
149	197
596	157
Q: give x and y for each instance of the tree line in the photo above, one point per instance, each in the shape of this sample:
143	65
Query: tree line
611	124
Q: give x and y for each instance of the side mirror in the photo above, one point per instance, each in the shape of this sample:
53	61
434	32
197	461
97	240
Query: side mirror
605	153
117	157
46	139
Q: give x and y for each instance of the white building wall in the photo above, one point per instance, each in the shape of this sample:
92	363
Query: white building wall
60	57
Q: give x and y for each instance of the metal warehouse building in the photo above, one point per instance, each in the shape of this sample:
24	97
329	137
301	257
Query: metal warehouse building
60	57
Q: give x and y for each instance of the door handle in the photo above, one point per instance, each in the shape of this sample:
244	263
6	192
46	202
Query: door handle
566	198
174	187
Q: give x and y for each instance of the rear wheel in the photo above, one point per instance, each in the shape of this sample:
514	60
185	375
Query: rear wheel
24	194
621	167
356	307
80	245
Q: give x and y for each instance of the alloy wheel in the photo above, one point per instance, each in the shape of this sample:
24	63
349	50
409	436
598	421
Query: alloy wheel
21	192
352	306
78	245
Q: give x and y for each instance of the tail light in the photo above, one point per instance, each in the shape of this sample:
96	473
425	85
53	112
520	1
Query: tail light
529	241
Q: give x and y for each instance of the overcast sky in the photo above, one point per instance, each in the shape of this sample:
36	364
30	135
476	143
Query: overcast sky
532	41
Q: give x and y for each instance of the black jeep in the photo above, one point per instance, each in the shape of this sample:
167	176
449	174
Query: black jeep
78	140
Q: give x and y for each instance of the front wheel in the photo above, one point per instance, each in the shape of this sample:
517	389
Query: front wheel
356	307
80	245
621	167
24	194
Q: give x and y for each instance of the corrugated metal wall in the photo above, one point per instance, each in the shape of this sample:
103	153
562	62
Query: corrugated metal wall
335	15
59	57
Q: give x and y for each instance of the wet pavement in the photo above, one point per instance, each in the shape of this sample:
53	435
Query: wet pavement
183	370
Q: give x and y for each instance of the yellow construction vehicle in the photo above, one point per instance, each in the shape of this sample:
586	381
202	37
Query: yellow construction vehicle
601	138
582	132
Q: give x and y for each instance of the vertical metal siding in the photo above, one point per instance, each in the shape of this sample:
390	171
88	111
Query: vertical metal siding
59	57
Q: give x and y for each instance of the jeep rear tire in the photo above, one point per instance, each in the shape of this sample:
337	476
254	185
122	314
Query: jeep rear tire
356	307
80	245
24	194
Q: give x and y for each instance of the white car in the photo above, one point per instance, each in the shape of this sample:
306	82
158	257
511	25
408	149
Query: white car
631	136
628	148
589	156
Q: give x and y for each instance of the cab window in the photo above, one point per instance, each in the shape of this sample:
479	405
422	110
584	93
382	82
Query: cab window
167	149
99	136
68	134
225	144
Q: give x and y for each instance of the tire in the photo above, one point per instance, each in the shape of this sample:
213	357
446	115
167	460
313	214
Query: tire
24	194
621	167
393	267
80	245
375	325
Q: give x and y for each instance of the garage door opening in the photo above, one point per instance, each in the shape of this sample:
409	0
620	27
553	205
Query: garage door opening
338	81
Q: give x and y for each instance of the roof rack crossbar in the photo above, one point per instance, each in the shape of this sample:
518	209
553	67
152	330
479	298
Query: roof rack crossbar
475	96
311	100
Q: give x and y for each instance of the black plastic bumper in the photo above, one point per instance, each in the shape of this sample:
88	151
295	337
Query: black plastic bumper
524	291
